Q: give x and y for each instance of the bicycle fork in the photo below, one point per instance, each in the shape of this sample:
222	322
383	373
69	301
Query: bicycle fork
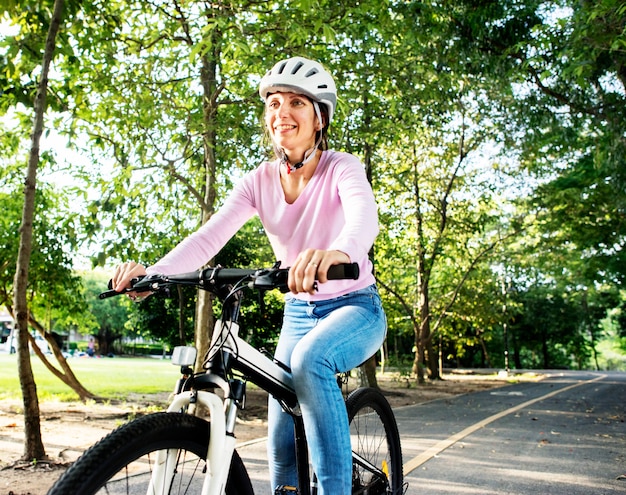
220	449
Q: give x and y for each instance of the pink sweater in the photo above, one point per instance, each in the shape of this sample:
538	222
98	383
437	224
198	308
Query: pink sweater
336	210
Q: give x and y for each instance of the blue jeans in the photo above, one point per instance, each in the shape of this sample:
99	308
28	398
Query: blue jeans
318	340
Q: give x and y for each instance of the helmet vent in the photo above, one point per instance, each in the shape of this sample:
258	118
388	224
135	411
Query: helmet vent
301	76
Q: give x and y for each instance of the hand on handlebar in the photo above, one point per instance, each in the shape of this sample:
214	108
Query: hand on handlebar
124	273
311	264
129	278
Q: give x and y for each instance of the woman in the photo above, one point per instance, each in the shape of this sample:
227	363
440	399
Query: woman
318	210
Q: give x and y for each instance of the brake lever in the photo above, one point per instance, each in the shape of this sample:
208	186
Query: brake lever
274	278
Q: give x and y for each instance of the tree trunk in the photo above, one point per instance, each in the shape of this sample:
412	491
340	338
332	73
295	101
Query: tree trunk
517	358
208	75
368	372
418	362
544	350
432	358
205	321
422	331
33	445
368	368
426	354
67	376
486	358
182	340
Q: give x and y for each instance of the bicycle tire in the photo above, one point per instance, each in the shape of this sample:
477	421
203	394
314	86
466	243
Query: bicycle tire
375	438
120	463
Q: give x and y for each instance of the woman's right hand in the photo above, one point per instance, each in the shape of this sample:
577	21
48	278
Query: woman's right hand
124	273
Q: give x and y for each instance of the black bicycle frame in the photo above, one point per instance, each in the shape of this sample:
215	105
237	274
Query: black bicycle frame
227	353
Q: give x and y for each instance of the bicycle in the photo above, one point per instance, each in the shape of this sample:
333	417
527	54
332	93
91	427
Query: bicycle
177	452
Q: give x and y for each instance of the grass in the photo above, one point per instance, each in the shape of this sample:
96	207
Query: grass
112	378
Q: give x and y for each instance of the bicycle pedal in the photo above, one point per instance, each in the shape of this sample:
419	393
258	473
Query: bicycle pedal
286	490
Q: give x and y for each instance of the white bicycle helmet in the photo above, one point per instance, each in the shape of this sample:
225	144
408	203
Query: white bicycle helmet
302	76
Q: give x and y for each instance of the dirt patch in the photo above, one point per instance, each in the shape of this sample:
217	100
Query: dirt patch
70	428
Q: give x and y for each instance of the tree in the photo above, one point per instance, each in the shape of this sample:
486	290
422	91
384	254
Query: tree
444	125
450	234
183	71
526	75
109	316
568	80
164	100
33	446
55	294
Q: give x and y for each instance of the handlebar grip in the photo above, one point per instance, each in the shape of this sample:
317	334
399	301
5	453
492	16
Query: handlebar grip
108	293
345	271
111	292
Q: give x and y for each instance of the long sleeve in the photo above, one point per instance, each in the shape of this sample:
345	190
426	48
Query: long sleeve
201	246
336	210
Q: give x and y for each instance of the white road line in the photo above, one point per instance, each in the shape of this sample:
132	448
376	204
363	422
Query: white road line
444	444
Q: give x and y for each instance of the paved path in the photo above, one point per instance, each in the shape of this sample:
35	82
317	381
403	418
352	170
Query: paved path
564	435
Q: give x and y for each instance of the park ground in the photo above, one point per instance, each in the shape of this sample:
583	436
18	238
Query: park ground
68	428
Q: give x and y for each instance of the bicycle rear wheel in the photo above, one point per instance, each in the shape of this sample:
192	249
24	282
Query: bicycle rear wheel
377	455
122	462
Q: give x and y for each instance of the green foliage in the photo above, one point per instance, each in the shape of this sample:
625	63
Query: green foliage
163	317
55	292
261	314
109	316
493	133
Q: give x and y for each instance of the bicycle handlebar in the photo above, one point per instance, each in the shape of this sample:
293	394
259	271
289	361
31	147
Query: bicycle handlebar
212	278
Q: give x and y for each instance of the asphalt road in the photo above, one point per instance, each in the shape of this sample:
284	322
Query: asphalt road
564	435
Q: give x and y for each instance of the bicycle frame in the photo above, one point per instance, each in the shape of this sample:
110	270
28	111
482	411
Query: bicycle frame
230	363
229	352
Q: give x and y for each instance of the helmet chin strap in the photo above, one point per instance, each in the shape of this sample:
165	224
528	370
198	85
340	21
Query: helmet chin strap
308	154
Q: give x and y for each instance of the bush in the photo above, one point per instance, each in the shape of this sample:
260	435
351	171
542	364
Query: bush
143	349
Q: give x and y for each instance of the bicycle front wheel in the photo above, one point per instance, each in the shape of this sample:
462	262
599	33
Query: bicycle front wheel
376	451
123	461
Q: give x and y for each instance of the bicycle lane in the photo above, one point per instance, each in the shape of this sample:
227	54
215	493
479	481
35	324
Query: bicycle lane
493	442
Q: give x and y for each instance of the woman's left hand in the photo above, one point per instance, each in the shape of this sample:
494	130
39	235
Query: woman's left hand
312	264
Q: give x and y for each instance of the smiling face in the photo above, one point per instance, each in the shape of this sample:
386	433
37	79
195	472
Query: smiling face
291	121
